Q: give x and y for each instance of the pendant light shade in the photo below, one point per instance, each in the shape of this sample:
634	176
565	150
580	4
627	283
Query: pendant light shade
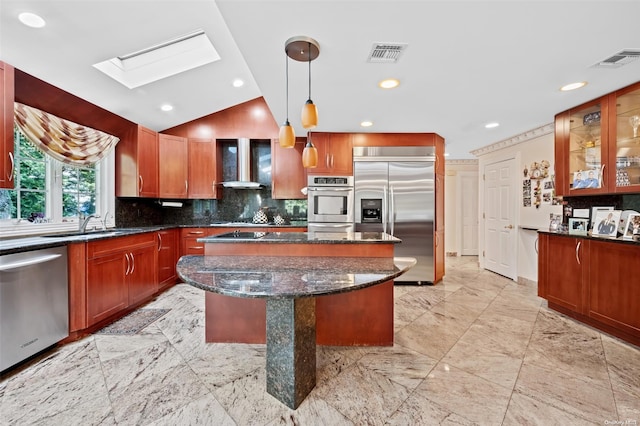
287	136
309	115
309	155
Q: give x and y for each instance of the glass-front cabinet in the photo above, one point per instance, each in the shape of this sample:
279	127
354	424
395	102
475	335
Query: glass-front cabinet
625	146
580	135
597	145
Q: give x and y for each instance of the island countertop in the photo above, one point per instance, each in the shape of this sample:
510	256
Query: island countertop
288	276
302	237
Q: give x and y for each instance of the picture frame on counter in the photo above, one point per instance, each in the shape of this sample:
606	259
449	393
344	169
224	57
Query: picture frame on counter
632	227
578	226
606	223
594	210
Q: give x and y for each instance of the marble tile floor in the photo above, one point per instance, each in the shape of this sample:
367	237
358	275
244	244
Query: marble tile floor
476	349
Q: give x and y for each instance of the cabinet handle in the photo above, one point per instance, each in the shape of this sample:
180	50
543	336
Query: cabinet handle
133	263
437	240
577	252
141	183
13	165
332	163
159	241
126	256
196	232
603	183
535	245
186	186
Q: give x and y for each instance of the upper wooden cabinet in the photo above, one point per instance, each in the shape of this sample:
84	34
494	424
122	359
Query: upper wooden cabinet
596	146
335	154
205	174
6	125
173	157
137	164
288	176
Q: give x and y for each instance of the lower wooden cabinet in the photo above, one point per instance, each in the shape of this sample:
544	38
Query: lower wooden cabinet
121	272
167	257
592	280
614	289
190	236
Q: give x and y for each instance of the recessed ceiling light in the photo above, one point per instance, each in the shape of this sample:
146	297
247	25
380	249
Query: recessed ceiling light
366	123
491	125
166	107
238	82
389	83
31	20
573	86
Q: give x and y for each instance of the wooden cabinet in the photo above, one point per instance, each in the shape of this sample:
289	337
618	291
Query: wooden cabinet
120	272
167	241
589	279
137	164
205	173
596	145
567	259
335	154
173	158
6	125
614	292
189	239
288	176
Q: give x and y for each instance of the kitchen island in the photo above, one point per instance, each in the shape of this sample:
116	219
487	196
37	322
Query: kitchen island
283	293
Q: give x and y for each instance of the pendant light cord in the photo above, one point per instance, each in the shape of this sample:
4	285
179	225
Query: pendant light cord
286	58
309	70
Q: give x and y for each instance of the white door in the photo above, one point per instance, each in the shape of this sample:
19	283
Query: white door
500	199
467	192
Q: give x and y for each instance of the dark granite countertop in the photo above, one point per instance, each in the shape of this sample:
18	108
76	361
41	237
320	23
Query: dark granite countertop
17	244
287	276
592	237
302	237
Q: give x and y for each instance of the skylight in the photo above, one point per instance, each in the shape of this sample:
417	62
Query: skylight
161	60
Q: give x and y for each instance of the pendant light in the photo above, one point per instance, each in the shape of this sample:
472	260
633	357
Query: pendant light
287	135
310	154
309	115
305	49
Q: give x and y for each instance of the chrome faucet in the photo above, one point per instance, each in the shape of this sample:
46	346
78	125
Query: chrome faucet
83	222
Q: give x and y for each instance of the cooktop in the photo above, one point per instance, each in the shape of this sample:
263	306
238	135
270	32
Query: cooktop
241	235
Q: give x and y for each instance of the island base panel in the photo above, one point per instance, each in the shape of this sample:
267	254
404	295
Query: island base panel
234	320
358	318
291	349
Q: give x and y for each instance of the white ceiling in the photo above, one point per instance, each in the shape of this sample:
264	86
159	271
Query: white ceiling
467	62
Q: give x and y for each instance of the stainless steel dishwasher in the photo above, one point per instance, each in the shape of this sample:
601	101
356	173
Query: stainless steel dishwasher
34	303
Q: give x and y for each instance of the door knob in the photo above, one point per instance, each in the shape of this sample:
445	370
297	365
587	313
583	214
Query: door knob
509	227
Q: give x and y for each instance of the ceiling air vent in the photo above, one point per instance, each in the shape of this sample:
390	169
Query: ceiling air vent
386	52
619	59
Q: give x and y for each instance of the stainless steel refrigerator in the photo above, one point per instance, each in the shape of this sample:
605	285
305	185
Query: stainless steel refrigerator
395	193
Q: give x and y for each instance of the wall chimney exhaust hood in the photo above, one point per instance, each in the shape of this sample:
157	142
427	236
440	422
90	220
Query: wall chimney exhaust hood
244	168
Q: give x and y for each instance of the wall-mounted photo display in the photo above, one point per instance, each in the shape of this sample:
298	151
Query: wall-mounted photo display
578	226
606	223
632	226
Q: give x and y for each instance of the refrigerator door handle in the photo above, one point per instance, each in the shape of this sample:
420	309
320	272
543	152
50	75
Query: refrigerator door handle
392	210
385	209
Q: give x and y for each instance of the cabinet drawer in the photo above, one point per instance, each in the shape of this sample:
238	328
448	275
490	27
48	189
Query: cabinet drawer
112	245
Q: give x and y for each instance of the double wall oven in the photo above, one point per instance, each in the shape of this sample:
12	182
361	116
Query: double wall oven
330	204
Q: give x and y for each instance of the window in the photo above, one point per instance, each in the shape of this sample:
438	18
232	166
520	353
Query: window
50	195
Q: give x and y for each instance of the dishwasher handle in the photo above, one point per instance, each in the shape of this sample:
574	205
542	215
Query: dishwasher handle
29	262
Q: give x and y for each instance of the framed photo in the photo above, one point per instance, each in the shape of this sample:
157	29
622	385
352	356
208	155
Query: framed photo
606	223
578	226
594	210
632	227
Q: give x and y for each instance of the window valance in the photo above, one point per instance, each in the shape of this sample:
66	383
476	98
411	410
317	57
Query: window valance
64	140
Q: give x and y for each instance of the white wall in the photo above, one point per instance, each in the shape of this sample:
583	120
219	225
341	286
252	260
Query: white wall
536	145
